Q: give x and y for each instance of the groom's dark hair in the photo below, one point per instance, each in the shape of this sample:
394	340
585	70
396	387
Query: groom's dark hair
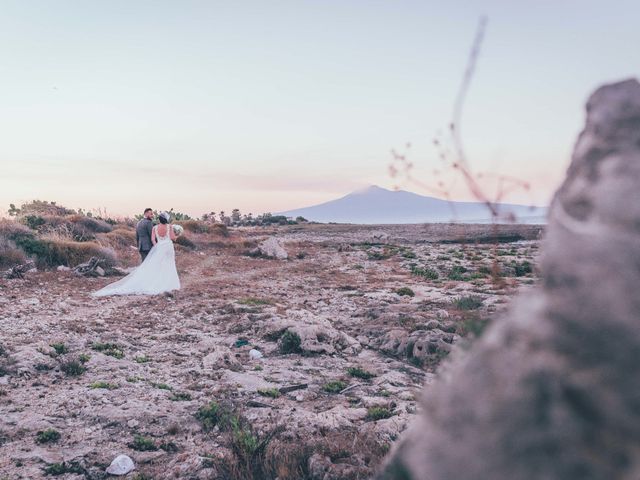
148	210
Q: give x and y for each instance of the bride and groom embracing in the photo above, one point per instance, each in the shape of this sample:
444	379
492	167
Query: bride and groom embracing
157	273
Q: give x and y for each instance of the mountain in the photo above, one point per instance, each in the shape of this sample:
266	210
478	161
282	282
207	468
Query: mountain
376	205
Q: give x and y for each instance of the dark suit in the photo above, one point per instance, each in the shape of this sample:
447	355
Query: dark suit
143	237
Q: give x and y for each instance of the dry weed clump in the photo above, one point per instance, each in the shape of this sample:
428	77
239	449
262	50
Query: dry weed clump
51	253
118	238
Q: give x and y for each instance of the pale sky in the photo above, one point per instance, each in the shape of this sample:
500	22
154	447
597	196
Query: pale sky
273	105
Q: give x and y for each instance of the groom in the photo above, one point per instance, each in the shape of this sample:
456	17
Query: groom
143	233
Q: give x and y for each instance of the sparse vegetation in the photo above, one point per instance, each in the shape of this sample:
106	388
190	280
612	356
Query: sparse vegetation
334	386
457	273
73	368
428	273
101	384
180	397
142	444
471	302
60	348
522	268
290	342
111	349
269	392
254	301
359	372
50	435
210	415
56	469
379	413
161	386
472	325
405	292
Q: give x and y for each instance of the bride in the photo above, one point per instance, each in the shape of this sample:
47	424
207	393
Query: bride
157	273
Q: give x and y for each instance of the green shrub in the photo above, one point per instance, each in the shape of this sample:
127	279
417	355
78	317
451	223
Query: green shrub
182	240
51	253
290	342
378	413
428	273
106	385
60	348
269	392
73	368
360	373
457	273
56	469
405	292
161	386
195	226
334	386
254	301
180	397
522	269
142	444
471	302
473	325
49	435
211	415
111	349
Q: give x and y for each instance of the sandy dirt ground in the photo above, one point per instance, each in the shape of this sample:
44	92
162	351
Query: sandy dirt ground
106	374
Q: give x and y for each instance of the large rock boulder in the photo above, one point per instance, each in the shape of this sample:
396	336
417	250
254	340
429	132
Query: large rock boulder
272	248
552	390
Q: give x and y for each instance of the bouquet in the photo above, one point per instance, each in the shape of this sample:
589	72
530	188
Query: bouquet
178	230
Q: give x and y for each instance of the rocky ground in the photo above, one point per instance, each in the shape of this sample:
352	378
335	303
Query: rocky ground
350	326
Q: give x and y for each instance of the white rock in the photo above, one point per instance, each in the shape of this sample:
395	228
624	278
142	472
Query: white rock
255	354
271	248
121	465
63	268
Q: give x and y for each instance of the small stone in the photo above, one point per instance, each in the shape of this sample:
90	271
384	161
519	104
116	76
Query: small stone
121	465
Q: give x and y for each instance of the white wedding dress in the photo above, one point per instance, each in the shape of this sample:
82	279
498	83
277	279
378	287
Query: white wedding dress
157	274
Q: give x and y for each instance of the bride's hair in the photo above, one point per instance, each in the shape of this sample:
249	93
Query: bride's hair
164	218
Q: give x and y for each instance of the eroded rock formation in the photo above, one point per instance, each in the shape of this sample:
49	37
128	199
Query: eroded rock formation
551	391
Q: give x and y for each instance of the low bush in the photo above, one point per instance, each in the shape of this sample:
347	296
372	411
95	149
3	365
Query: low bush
111	349
428	273
49	435
196	226
269	392
10	256
142	444
405	292
73	368
359	372
378	413
290	342
118	238
185	242
471	302
51	253
457	273
334	386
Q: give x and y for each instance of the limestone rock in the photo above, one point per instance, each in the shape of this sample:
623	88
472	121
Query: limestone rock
121	465
272	248
551	391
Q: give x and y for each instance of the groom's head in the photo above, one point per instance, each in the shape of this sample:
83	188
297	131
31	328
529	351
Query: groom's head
148	213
